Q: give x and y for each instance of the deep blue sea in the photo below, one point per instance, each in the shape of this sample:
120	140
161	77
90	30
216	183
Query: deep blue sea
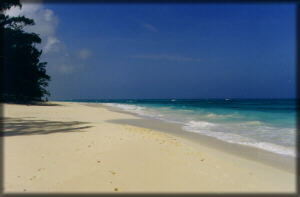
268	124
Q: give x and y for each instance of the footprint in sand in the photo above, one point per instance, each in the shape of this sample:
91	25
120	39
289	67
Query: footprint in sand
32	178
112	172
41	169
99	161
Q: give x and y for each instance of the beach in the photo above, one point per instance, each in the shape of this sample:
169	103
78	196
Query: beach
71	147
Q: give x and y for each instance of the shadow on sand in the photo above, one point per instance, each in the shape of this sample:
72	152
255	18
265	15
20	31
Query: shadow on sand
19	126
32	103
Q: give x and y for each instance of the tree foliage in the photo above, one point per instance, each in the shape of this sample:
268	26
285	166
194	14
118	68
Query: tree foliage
24	77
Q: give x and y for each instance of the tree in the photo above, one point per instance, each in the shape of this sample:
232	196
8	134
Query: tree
23	76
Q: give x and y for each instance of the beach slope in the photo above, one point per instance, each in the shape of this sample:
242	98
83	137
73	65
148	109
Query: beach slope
72	147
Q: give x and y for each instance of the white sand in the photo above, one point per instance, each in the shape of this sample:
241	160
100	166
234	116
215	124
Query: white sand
46	150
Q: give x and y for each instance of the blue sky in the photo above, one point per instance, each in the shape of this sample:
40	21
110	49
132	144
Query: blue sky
170	50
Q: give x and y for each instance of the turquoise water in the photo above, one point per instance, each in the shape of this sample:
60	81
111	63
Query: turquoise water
268	124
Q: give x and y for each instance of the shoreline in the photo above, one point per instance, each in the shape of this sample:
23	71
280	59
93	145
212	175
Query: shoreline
72	147
283	162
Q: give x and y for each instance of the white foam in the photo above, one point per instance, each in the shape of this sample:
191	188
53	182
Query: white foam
142	111
125	106
205	128
213	129
200	124
212	115
130	108
273	148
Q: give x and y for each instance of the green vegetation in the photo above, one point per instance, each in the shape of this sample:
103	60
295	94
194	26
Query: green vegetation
23	76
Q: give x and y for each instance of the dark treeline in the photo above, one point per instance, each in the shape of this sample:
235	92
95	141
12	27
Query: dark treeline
23	76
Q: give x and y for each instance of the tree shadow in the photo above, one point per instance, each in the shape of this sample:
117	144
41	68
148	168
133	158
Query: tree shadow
44	104
19	126
32	103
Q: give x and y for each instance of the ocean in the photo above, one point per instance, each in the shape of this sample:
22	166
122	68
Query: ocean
268	124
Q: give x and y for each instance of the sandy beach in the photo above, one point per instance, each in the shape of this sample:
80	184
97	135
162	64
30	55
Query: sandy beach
76	147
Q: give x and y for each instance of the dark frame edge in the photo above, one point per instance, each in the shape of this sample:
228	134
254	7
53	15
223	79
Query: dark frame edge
165	194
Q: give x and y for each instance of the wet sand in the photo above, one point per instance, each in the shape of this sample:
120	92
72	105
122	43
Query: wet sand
75	147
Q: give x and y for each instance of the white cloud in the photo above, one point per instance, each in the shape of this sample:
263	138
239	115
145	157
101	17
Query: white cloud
45	23
48	15
55	52
84	53
167	57
150	27
27	9
52	44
